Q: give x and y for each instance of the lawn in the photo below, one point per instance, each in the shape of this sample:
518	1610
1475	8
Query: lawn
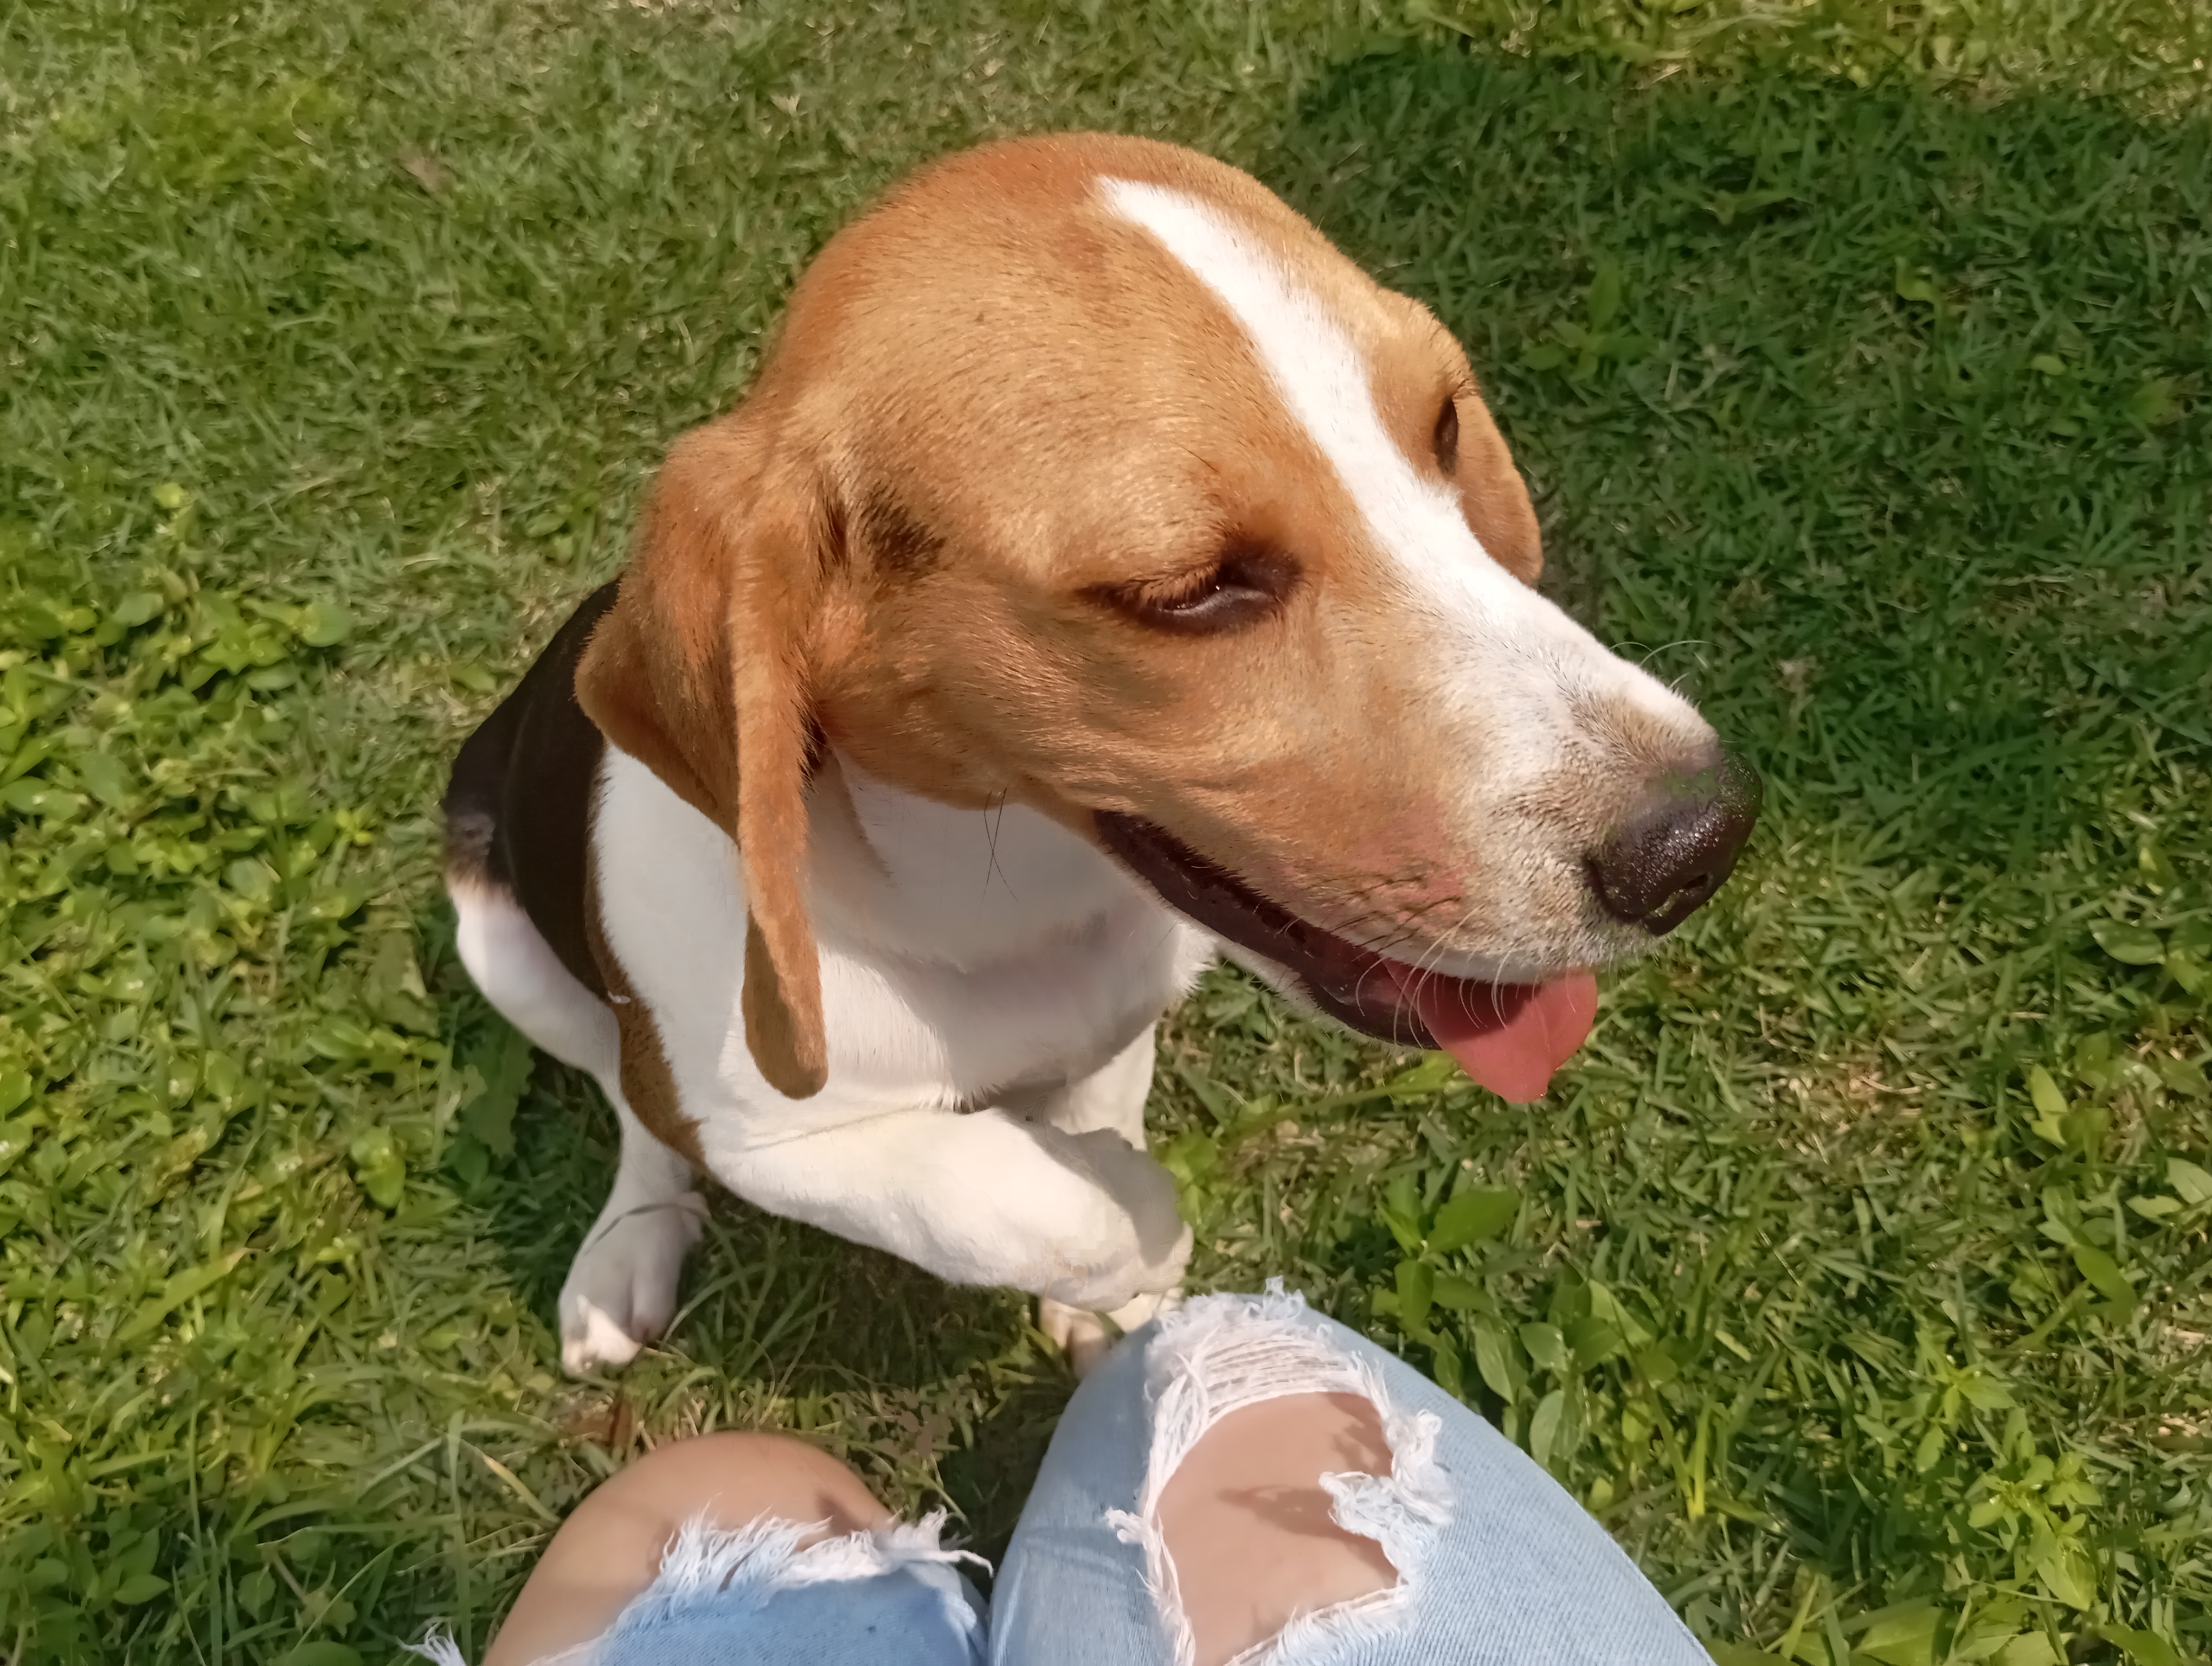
1858	1276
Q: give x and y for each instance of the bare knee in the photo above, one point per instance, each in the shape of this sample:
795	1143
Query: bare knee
734	1478
610	1548
1250	1529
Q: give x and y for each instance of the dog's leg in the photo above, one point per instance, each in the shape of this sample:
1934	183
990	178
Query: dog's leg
515	969
621	1290
981	1198
1112	1096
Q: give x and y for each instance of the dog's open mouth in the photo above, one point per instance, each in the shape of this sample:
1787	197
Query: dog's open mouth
1510	1037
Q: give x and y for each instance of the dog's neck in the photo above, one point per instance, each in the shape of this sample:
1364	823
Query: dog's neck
894	873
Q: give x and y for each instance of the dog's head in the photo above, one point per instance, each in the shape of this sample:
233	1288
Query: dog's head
1085	474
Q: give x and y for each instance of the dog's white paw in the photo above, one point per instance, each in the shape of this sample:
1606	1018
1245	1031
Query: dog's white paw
1155	1241
1085	1337
1161	1277
621	1290
1103	1284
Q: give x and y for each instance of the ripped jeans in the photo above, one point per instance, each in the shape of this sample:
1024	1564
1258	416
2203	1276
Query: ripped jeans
1496	1564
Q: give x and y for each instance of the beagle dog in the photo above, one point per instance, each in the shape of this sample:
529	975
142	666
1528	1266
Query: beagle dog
1103	573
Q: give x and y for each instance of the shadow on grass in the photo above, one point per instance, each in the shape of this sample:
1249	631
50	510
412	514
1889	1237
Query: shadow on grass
1879	416
1882	419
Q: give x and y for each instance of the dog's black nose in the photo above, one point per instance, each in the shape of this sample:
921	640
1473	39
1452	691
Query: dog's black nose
1673	852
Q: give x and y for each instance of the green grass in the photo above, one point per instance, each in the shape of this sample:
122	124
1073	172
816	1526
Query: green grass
1856	1275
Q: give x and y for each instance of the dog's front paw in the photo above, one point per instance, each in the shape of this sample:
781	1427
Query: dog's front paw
1159	1282
1140	1245
621	1290
1120	1282
1146	1193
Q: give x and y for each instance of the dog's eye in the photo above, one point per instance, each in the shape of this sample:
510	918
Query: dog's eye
1445	439
1243	586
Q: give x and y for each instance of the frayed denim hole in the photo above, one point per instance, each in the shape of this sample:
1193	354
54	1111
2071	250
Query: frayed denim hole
1219	1354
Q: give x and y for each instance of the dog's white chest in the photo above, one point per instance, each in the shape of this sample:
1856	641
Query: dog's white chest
964	953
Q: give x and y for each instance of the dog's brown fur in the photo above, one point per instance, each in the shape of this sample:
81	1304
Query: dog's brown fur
912	535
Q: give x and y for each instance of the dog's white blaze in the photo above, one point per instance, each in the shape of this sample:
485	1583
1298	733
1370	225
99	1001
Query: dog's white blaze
1528	658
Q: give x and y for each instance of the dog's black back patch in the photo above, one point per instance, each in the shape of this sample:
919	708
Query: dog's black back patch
518	807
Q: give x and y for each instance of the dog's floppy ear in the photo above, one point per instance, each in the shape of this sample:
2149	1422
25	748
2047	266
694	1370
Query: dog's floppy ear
1492	496
700	671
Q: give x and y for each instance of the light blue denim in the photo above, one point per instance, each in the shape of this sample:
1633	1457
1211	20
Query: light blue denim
1497	1564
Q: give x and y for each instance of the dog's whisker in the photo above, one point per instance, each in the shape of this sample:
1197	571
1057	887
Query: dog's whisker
993	817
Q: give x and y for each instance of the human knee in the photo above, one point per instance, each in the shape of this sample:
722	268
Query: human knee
735	1477
611	1547
1285	1497
1252	1530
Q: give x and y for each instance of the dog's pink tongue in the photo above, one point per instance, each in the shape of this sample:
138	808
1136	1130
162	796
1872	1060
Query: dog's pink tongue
1509	1038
